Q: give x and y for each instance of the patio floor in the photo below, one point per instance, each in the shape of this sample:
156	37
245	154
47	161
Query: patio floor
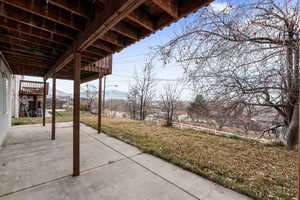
34	167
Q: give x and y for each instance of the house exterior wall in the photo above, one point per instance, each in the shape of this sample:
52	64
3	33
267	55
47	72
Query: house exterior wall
15	95
6	80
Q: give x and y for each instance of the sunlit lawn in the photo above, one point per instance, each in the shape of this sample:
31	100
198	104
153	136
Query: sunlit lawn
258	170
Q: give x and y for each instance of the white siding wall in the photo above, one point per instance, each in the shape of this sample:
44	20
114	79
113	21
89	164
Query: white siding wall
15	84
5	100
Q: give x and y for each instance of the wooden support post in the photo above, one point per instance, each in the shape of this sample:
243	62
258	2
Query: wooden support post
44	103
53	108
99	103
104	88
76	115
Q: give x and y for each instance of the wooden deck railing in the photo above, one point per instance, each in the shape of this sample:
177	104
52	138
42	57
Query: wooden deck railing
32	87
103	66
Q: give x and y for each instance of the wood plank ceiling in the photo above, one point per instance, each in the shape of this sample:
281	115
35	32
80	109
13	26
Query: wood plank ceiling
38	37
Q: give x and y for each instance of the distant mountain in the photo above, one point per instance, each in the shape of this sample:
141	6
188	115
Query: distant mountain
109	94
115	94
59	93
83	93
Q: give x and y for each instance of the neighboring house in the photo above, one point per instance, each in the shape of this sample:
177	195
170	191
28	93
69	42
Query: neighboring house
31	98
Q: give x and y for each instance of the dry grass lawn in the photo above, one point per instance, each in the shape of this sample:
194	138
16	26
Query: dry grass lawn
260	171
257	170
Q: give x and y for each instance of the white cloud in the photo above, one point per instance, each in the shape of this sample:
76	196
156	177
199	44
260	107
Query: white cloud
220	7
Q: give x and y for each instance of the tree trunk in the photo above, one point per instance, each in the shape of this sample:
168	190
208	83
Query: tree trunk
293	87
141	108
296	67
292	130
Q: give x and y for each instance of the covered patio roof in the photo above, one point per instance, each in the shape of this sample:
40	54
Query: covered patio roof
39	38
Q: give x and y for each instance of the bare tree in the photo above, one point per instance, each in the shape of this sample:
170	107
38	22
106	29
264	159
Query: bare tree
245	121
132	102
170	100
143	89
247	53
89	93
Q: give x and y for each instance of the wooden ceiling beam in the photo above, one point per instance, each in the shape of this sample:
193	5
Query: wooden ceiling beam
55	43
90	57
183	9
42	9
164	20
24	70
10	41
79	8
93	55
31	40
25	56
17	59
113	13
96	51
189	6
143	19
169	6
36	22
104	48
22	50
112	38
29	71
125	30
28	65
86	59
39	34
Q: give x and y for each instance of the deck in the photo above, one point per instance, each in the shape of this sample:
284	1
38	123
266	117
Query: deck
35	167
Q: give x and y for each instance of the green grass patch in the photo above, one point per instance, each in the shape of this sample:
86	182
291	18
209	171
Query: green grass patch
61	116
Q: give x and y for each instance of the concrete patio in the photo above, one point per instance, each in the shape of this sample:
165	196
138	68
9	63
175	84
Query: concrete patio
34	167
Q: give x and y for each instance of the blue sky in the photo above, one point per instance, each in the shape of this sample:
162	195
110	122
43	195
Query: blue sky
134	57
